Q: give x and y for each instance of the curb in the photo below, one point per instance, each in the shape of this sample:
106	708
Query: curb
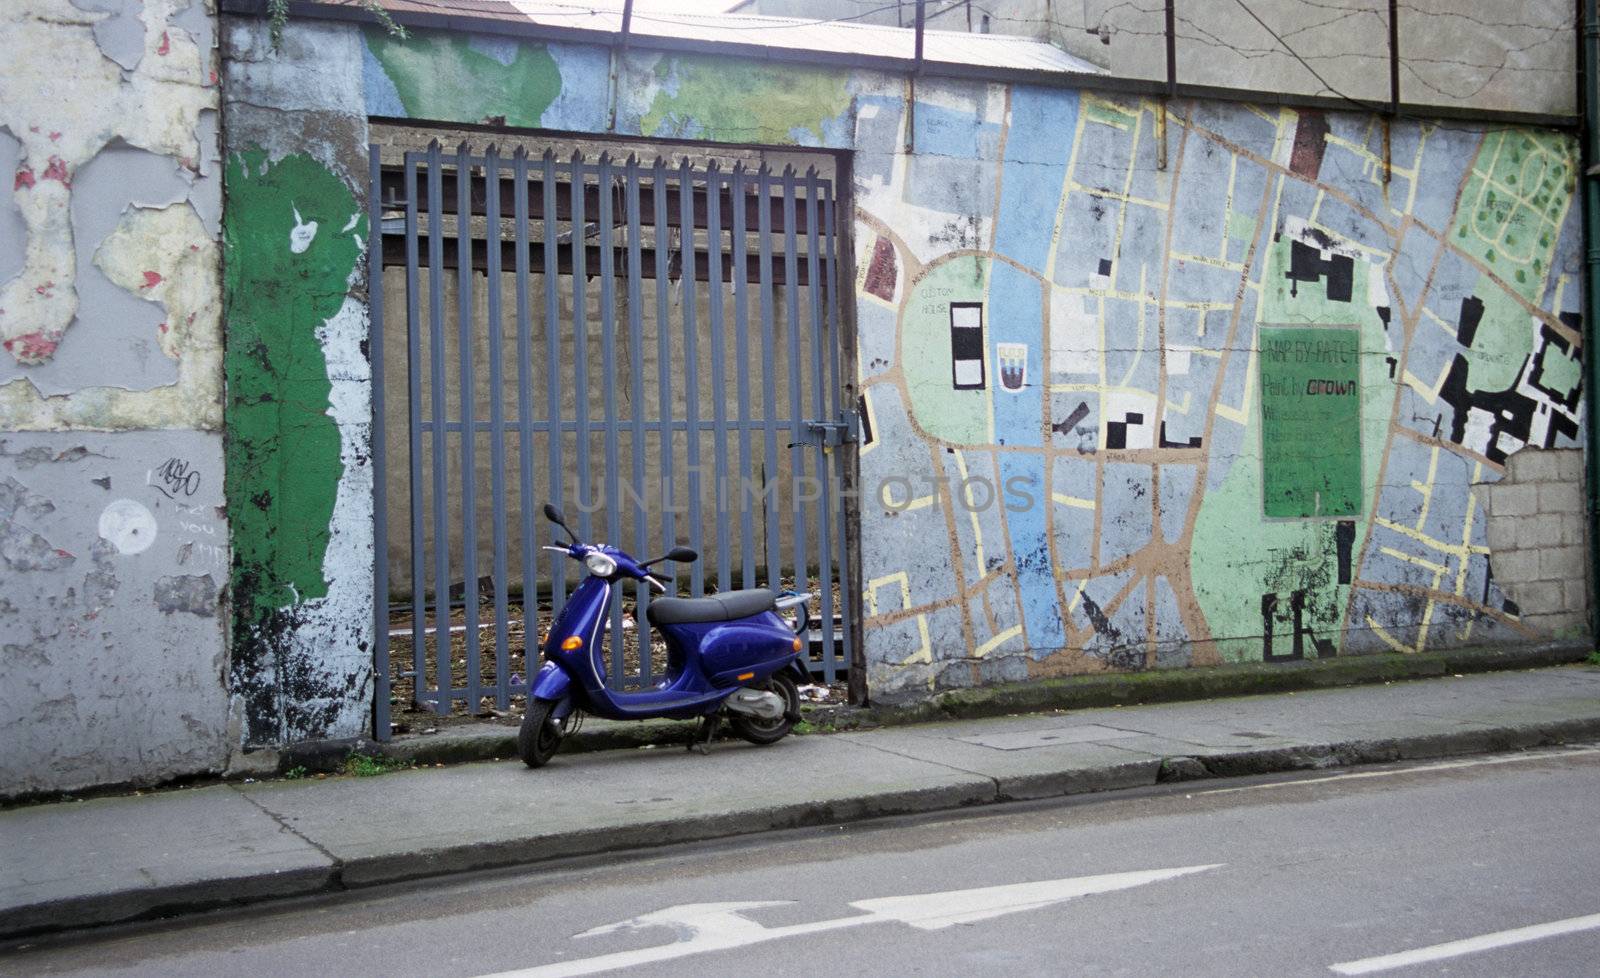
483	742
976	791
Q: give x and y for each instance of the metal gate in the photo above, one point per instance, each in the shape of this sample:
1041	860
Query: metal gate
521	297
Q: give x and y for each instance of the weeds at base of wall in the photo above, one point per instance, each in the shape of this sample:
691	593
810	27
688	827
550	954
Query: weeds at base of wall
355	766
1594	659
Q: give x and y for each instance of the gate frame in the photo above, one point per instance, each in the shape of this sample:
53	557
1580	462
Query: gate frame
842	219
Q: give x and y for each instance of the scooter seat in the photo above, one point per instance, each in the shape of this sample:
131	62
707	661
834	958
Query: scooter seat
716	607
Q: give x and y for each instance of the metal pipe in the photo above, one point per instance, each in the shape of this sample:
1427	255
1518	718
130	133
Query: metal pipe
619	49
1172	85
1589	64
1394	90
1172	50
916	69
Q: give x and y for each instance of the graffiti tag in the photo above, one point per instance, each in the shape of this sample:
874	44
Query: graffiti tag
175	478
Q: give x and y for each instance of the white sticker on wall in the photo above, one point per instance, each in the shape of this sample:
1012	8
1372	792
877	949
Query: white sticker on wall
128	525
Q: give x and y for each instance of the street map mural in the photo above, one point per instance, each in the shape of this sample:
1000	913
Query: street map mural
1148	386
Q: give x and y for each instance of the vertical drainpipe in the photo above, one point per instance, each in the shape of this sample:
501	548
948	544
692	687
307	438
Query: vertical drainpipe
916	69
1172	85
1588	65
619	50
1394	93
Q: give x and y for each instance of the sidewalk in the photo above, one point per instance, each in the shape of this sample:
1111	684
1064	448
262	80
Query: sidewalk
123	858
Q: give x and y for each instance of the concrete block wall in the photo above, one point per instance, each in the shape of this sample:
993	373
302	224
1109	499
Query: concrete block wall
1538	534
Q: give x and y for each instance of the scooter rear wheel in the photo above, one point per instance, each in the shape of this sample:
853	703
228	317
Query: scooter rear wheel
762	732
538	738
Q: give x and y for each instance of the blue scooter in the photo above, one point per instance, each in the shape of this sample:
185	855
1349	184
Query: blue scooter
728	655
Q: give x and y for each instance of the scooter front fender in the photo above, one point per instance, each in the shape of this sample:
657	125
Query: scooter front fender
552	683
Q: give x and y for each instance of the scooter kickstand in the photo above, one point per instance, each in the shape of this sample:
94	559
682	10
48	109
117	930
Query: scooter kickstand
700	742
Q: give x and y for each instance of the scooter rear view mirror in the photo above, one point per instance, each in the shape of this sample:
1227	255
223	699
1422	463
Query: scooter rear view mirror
682	555
555	516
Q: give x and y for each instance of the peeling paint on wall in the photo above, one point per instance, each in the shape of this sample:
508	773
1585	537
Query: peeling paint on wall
62	121
106	683
110	294
298	402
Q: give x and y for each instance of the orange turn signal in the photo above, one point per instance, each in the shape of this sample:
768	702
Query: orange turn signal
575	642
746	675
797	645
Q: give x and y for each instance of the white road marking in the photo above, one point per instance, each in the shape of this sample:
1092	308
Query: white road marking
706	927
1543	755
1471	945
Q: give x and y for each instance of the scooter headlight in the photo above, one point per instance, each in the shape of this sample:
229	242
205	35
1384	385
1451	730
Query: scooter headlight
600	565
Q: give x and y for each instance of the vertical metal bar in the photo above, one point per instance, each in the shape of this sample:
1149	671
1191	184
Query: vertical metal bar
1172	50
552	370
796	378
769	485
741	347
580	343
497	425
380	462
419	564
719	408
641	513
438	419
608	334
664	363
837	388
691	358
1394	58
469	428
525	501
820	407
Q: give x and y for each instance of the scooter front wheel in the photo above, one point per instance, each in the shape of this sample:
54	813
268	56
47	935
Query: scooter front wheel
759	731
538	738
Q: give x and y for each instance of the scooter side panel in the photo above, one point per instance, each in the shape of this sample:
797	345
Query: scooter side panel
762	645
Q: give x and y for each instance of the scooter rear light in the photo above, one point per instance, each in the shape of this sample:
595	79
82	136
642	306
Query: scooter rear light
569	644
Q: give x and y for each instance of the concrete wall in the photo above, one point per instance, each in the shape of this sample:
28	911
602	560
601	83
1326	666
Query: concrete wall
1481	54
113	544
1244	405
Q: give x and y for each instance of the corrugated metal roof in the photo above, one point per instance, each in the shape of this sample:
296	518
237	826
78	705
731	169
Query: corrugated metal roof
792	36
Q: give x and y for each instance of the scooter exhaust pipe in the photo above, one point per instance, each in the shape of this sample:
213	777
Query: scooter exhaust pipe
759	703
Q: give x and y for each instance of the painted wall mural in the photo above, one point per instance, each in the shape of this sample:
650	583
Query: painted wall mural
1246	402
1245	405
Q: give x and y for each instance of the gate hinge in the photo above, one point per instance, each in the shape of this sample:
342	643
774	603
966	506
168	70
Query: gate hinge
834	433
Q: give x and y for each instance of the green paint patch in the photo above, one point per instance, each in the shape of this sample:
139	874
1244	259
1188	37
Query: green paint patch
1238	554
1109	113
283	466
441	76
1310	421
1514	203
1559	372
959	416
743	101
1503	341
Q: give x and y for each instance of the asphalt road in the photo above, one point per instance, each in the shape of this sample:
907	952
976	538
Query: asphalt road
1483	866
